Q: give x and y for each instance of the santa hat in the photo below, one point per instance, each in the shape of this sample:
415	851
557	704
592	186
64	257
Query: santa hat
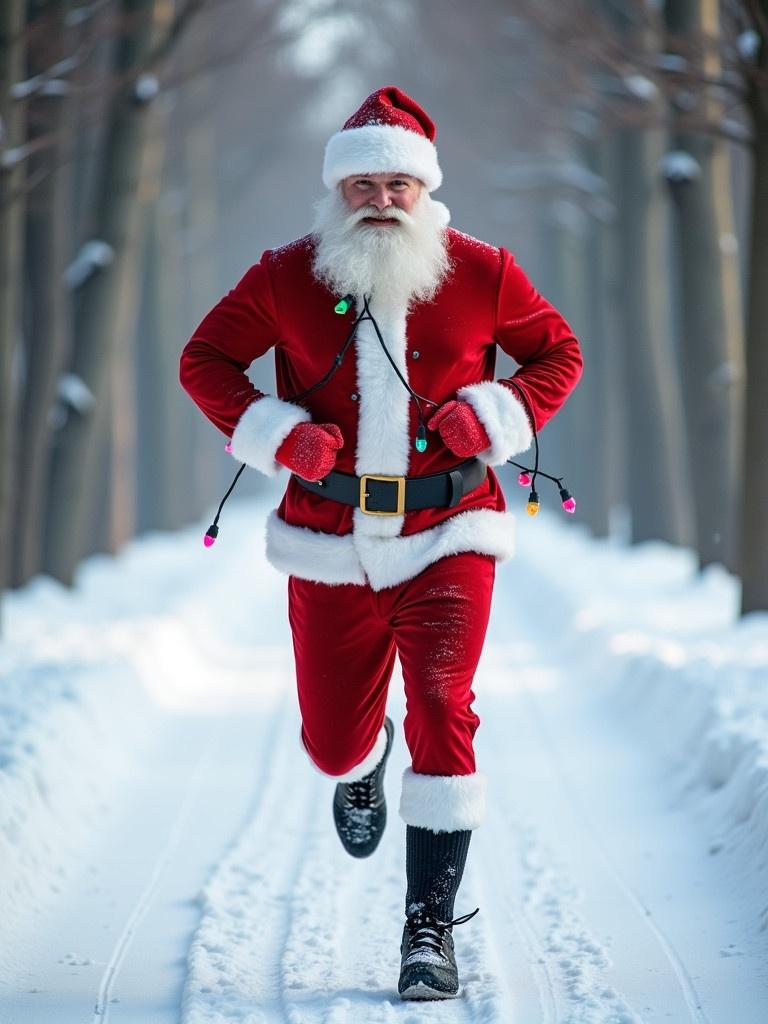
389	133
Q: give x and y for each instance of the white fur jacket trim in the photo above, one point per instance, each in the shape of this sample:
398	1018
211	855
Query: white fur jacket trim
504	418
385	561
261	430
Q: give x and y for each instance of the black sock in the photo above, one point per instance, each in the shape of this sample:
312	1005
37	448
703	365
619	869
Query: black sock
434	865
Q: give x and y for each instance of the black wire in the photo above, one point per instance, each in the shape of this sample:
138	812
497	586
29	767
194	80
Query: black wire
536	471
339	358
231	488
405	383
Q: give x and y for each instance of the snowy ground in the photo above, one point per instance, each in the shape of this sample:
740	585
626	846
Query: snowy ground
167	854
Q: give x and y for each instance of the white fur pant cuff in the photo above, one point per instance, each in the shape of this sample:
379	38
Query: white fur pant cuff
443	803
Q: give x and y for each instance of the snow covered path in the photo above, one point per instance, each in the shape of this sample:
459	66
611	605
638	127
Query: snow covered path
190	871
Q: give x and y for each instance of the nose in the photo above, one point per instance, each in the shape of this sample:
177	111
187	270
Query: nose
381	198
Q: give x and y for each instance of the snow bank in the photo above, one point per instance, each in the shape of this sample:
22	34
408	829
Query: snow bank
69	711
666	647
86	674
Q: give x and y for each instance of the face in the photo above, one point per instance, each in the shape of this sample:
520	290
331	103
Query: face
382	191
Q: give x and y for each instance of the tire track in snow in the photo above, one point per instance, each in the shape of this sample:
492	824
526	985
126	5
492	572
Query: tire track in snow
644	915
342	959
570	966
504	911
203	765
235	959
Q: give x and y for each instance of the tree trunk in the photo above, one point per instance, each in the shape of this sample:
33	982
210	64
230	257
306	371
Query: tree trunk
754	542
49	215
566	236
12	177
712	341
658	484
98	324
607	300
166	449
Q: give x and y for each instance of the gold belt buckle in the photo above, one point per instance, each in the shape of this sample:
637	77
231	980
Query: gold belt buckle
399	480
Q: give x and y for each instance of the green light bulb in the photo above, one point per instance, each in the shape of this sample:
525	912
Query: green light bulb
421	444
342	307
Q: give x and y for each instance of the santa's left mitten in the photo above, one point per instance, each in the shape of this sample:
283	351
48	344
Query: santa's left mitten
460	429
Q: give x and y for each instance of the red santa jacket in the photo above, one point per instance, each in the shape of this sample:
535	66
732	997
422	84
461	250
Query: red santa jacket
445	348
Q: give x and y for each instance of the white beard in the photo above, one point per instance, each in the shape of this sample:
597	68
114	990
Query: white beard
393	265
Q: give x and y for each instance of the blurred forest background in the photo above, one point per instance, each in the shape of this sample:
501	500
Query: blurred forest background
150	150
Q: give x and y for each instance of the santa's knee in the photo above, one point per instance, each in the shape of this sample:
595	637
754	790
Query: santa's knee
345	762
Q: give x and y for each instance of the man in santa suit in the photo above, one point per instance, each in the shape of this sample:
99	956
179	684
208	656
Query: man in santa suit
393	519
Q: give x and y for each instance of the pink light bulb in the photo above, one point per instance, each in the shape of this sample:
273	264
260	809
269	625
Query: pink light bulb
208	540
570	505
228	447
524	479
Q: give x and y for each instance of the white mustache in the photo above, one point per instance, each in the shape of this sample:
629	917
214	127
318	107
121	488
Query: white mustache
372	213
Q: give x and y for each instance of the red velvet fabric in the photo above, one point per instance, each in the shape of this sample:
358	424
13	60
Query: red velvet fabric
345	641
486	301
392	106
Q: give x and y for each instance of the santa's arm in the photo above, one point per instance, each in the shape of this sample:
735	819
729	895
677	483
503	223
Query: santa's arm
240	328
539	339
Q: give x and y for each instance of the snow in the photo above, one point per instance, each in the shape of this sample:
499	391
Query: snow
679	166
168	853
146	88
72	391
93	255
748	45
641	87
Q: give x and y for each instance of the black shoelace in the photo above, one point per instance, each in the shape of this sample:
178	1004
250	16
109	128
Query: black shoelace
426	931
361	794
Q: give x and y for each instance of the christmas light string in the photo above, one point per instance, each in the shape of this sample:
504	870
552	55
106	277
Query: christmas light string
526	477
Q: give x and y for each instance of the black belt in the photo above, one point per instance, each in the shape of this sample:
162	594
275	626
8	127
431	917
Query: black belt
379	495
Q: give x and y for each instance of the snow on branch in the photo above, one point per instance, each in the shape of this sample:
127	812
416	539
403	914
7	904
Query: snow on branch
74	393
748	46
679	167
12	157
36	84
641	87
146	88
79	15
93	255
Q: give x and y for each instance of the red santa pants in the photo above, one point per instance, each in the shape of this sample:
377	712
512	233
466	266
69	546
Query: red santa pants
345	639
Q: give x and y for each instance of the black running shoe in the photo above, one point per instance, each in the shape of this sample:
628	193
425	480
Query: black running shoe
359	808
428	964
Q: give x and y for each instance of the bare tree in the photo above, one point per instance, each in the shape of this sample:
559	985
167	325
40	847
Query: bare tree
104	302
12	57
712	344
48	319
754	545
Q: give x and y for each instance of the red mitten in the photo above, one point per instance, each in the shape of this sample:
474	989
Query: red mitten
310	449
460	429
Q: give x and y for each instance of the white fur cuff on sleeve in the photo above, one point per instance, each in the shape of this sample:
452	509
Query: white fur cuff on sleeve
443	803
261	430
504	418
